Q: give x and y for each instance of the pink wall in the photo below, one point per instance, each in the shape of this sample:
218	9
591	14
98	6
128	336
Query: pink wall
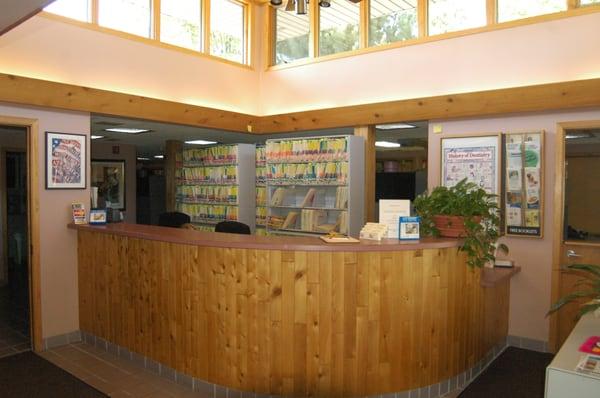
58	245
45	48
530	290
554	51
103	151
561	50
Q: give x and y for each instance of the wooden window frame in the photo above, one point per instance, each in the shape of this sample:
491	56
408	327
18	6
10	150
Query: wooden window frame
574	8
155	26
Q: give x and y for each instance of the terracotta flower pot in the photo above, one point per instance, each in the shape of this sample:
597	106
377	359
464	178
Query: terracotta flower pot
452	226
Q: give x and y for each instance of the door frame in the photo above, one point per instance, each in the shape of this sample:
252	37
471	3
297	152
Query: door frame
33	204
558	219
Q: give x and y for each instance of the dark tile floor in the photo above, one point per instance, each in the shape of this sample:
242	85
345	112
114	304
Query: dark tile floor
14	322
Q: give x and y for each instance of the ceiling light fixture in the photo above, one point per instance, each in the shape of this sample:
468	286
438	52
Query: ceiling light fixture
387	144
200	142
96	137
127	130
395	126
143	158
301	6
159	156
573	136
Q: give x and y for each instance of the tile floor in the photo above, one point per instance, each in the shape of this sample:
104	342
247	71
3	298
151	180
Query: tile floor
14	324
112	375
118	377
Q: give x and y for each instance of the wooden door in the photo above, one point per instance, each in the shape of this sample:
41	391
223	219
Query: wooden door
576	217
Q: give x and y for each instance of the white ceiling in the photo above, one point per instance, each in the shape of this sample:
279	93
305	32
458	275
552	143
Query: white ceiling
153	142
14	11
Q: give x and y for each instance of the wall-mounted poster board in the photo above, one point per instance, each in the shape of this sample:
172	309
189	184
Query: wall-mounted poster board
475	157
524	182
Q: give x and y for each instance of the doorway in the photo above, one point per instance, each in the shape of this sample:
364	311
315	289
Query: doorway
576	216
15	325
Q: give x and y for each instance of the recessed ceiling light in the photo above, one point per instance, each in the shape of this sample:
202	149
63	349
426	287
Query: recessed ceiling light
96	137
200	142
127	130
395	126
159	156
143	158
387	144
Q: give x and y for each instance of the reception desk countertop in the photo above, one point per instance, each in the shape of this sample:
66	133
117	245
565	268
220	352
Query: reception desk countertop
218	239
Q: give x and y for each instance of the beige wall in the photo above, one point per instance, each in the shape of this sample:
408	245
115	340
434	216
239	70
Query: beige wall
58	245
530	290
103	151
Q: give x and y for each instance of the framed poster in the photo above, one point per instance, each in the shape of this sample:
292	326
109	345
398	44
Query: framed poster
109	177
474	157
65	161
524	182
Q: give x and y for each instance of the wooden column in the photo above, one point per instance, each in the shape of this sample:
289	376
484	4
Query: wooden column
368	133
172	149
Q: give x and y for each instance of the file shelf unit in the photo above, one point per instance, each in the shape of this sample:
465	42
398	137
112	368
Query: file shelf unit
217	183
261	191
314	185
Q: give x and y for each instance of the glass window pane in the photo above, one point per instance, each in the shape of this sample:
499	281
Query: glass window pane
76	9
452	15
392	20
227	30
131	16
292	36
180	23
339	27
588	2
509	10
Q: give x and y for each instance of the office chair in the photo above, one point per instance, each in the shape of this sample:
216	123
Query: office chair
173	219
233	227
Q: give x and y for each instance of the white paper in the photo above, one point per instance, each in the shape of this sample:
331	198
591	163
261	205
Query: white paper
514	180
390	212
513	216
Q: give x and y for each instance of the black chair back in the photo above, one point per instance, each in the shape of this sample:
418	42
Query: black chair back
233	227
173	219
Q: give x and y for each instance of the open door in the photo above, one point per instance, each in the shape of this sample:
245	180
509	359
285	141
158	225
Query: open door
576	216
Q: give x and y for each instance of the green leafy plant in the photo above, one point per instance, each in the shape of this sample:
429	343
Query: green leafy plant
479	210
589	288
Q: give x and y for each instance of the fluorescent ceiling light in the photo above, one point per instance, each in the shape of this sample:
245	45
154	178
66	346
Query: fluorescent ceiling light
578	135
96	137
395	126
200	142
143	158
387	144
159	156
126	130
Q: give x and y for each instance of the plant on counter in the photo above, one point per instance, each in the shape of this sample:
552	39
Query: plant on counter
589	288
466	211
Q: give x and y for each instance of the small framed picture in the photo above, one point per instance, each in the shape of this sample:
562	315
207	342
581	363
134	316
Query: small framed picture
98	216
409	227
109	177
65	161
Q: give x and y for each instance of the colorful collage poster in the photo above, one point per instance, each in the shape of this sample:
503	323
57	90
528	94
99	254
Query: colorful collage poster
65	161
473	158
523	182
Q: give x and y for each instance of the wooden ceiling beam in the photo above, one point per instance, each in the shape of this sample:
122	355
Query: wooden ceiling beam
28	91
543	97
553	96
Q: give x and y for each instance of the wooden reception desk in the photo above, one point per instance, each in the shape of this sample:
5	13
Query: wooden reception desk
290	316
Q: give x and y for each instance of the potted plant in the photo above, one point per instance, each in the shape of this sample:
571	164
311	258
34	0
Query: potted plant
589	288
466	211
